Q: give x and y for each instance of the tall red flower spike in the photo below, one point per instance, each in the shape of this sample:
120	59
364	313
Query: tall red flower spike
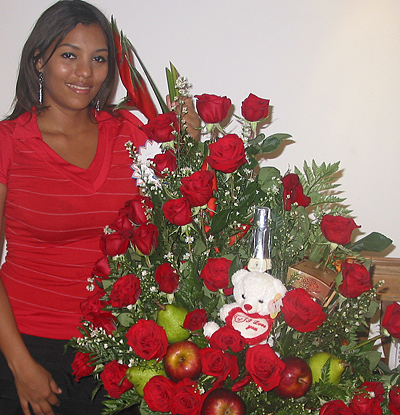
138	94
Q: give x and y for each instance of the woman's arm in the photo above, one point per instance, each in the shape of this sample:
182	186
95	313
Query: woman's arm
34	384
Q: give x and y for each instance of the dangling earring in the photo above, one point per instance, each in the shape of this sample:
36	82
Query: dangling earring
41	79
98	105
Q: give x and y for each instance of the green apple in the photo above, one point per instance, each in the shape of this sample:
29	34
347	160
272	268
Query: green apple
141	374
336	367
171	318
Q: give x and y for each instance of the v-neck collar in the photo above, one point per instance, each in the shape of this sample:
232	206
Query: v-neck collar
91	178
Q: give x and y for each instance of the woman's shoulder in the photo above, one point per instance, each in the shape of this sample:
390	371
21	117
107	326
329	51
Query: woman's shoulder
7	127
24	125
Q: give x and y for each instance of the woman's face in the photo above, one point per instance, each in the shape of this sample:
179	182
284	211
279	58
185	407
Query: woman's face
76	70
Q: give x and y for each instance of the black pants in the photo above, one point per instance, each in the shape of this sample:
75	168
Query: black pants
76	396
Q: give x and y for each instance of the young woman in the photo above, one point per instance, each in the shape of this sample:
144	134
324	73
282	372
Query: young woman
64	173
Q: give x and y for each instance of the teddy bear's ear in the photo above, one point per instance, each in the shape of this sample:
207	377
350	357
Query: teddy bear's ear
238	276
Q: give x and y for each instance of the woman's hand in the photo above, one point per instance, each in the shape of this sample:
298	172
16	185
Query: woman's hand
191	117
37	388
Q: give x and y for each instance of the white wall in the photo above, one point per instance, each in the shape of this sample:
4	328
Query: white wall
331	69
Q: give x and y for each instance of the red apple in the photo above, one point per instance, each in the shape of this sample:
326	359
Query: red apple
182	360
296	378
223	402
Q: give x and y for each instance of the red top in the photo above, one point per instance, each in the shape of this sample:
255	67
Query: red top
55	213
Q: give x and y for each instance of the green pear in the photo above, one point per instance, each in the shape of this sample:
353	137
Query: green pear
336	367
171	318
140	375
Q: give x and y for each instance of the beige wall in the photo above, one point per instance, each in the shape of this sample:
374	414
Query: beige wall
331	69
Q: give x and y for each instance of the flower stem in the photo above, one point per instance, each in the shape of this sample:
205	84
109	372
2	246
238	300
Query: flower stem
364	343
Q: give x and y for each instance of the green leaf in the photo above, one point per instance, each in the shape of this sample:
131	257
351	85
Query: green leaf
172	76
199	247
126	319
374	242
373	358
272	142
266	177
220	220
252	162
235	265
373	308
257	140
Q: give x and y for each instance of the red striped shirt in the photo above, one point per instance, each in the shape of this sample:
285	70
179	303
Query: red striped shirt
55	213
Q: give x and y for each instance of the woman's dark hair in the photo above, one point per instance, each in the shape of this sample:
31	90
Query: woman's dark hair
53	25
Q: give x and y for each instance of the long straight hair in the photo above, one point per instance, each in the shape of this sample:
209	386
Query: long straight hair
52	26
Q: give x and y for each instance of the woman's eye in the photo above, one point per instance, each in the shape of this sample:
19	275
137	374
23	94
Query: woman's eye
68	55
100	59
243	296
261	301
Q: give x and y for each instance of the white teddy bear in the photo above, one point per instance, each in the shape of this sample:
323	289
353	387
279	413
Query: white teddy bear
258	298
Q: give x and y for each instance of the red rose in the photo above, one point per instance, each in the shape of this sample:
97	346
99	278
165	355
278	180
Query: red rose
264	366
164	162
338	229
158	393
101	268
137	209
356	280
195	319
255	108
198	187
93	306
113	377
145	239
301	312
187	399
219	364
227	154
167	278
122	223
80	366
161	129
215	273
125	291
336	407
368	400
227	337
293	192
391	320
147	339
93	310
115	243
212	108
394	400
178	211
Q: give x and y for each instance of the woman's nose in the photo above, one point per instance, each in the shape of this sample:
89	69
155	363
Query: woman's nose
83	69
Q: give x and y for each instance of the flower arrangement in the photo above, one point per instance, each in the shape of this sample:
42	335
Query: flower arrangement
167	269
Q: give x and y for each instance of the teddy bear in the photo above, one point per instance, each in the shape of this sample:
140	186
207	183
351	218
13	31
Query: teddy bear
258	299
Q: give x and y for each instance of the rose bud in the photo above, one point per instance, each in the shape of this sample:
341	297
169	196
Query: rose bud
255	108
161	129
212	108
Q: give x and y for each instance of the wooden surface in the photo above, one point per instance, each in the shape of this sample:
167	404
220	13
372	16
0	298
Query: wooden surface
387	269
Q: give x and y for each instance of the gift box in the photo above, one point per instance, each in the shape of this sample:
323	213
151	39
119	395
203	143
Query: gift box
314	278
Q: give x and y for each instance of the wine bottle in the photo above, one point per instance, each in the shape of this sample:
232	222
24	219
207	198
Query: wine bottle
260	248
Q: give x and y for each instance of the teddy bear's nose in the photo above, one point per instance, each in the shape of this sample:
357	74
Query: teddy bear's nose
248	307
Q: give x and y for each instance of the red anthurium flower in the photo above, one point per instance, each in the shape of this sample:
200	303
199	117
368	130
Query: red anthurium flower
293	192
138	93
